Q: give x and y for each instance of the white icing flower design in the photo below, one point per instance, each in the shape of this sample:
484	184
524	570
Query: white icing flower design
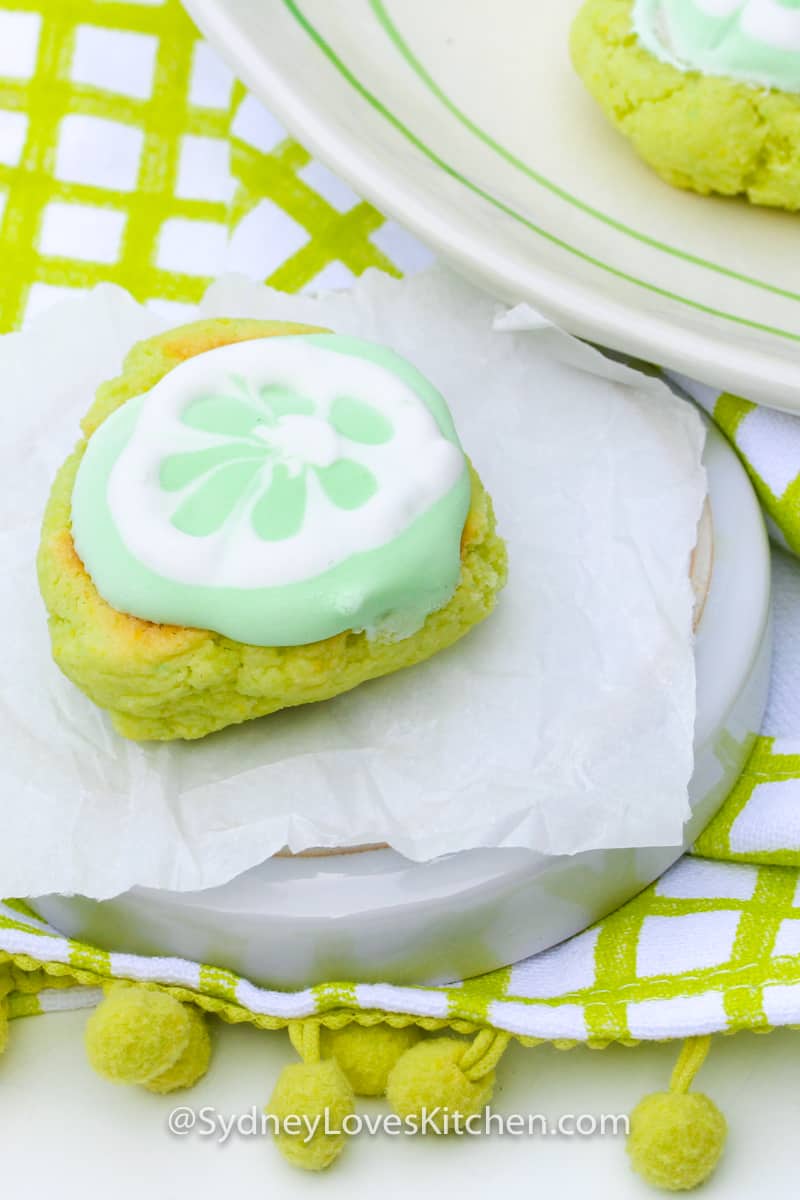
268	440
272	461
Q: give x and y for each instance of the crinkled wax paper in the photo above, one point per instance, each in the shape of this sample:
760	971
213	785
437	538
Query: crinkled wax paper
563	723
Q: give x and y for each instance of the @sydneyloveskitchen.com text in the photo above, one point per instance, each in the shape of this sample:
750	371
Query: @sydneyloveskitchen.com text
209	1123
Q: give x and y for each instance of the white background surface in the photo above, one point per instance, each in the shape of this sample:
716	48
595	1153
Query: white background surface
64	1128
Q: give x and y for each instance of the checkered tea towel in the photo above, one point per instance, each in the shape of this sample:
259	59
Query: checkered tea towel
129	154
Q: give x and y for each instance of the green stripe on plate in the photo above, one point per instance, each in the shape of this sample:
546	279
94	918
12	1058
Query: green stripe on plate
453	173
391	30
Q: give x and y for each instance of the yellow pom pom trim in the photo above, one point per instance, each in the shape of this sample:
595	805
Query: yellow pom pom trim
676	1138
143	1035
368	1054
316	1097
192	1064
443	1073
6	979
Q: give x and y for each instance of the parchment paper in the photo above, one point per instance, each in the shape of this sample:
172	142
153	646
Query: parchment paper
563	723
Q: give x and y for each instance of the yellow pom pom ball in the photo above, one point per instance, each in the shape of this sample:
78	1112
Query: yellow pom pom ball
137	1034
313	1092
428	1076
676	1139
192	1063
367	1054
7	981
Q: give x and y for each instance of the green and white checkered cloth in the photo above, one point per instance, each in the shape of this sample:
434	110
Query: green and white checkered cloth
129	154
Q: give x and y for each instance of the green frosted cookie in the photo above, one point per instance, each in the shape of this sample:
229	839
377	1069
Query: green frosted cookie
708	93
219	547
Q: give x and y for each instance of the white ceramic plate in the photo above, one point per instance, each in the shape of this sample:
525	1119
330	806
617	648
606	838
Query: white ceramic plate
465	121
375	915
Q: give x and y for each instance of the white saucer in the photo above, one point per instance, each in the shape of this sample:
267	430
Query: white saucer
465	121
375	916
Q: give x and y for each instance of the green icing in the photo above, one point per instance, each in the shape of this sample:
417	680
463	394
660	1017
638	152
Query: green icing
212	504
359	422
347	484
180	470
221	414
739	40
390	588
223	474
279	512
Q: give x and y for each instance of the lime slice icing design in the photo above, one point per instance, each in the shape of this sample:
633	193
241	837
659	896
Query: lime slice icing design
754	41
277	491
269	439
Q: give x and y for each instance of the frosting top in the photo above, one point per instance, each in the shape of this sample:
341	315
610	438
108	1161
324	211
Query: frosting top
277	491
755	41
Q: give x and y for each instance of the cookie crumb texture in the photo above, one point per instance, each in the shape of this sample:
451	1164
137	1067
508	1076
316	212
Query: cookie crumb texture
696	131
162	682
